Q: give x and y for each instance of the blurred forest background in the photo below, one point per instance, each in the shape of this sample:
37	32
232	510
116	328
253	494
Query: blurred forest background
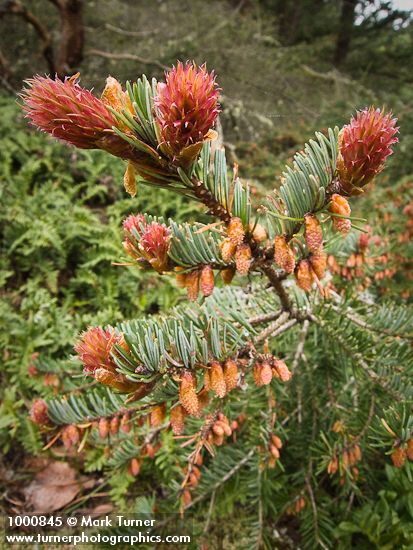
286	68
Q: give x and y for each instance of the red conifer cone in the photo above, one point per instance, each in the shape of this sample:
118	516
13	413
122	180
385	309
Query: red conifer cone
266	373
114	425
186	106
276	441
281	370
148	243
38	412
154	246
364	146
70	436
94	348
103	428
262	373
157	415
73	114
134	467
228	249
125	423
192	285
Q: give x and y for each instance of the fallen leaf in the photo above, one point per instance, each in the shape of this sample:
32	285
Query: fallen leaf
52	488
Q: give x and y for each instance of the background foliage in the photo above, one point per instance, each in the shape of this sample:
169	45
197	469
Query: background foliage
60	218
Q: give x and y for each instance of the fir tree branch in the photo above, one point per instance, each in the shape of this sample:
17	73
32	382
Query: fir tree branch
300	347
210	512
363	324
297	357
204	195
125	55
224	479
276	283
260	510
282	329
265	318
358	357
274	328
308	478
366	426
315	512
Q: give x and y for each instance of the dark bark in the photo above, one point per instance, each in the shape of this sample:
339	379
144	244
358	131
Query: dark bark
296	19
6	73
71	43
14	7
345	32
289	16
72	36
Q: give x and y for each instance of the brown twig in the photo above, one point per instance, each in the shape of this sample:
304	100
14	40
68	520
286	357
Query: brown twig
125	32
14	7
125	55
225	478
215	208
300	346
370	415
265	318
315	512
276	283
278	327
6	73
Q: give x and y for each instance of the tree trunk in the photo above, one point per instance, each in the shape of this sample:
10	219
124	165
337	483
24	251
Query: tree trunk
348	11
289	16
70	53
15	7
5	74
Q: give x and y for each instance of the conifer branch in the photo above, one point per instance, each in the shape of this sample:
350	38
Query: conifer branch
215	208
358	357
265	318
368	421
183	366
363	324
300	346
224	479
276	328
276	283
315	512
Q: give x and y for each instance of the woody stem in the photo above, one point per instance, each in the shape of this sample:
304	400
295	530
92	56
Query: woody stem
276	283
215	208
